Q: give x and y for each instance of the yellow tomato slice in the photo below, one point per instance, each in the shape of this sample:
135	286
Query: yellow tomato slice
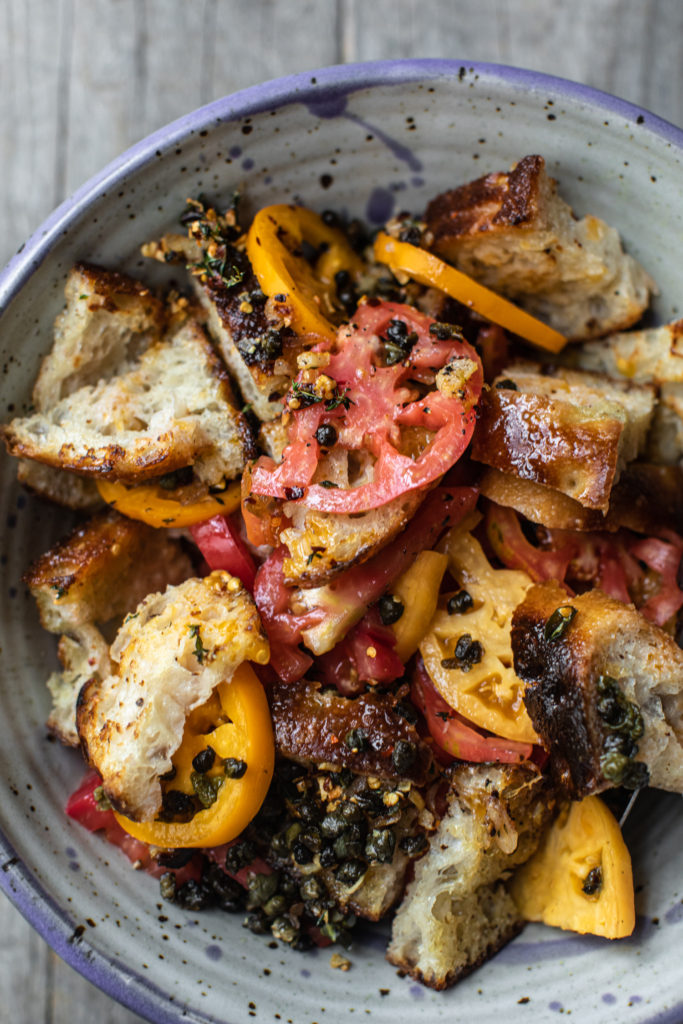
418	591
580	878
304	294
429	270
150	504
236	723
487	692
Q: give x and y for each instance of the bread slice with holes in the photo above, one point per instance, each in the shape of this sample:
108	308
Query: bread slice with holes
59	486
83	655
606	638
131	723
456	913
108	321
173	408
570	430
514	234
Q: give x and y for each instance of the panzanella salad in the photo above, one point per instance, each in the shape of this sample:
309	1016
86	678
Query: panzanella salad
375	605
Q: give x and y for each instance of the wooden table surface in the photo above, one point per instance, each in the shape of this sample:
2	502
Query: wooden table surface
80	80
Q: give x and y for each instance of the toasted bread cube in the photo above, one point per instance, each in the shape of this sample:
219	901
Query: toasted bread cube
102	571
109	320
569	430
571	697
174	408
513	233
131	723
456	912
650	356
646	498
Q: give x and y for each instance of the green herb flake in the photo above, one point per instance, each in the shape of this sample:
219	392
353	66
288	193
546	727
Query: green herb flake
199	648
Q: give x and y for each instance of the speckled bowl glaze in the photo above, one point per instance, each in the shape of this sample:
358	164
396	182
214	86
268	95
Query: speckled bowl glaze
368	139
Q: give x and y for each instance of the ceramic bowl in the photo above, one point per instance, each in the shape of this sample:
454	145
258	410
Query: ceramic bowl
370	140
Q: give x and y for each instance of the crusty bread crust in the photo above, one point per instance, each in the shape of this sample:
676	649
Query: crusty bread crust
59	486
606	637
311	724
650	356
568	430
174	408
515	235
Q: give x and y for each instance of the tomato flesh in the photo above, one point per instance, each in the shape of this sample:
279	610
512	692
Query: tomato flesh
219	541
378	400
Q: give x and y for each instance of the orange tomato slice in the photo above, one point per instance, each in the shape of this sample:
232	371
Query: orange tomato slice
150	504
236	723
428	269
305	294
580	878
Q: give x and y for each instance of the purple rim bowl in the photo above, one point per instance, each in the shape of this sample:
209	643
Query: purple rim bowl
326	95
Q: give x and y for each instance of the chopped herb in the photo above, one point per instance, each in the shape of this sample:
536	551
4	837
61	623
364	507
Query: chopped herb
59	589
559	622
314	554
199	648
328	483
445	716
506	385
403	755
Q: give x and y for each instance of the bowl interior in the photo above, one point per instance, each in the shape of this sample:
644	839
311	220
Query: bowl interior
370	142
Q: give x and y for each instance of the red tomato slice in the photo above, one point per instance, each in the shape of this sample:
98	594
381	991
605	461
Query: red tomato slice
665	557
456	736
365	655
219	541
282	626
379	400
516	552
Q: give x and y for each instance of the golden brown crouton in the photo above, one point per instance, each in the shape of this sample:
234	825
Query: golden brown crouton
604	690
170	655
174	408
456	912
569	430
513	233
103	570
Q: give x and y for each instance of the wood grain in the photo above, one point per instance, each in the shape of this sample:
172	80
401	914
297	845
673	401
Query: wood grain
80	80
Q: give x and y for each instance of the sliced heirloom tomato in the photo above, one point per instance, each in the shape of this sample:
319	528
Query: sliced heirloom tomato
428	269
456	736
371	405
303	293
236	723
152	504
220	543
